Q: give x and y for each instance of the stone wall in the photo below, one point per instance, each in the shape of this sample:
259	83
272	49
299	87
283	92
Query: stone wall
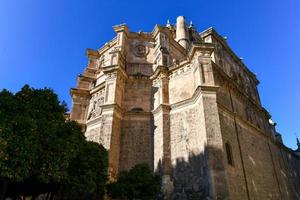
237	185
188	151
136	140
181	84
258	170
137	125
138	94
287	167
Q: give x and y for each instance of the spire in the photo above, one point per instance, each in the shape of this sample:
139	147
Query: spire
298	144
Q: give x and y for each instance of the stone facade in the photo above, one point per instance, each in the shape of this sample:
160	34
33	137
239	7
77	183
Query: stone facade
184	103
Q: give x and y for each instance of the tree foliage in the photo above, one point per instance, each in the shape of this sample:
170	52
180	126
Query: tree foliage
40	151
137	183
88	173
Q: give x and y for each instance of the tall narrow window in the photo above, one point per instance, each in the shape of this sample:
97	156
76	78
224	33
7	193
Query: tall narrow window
229	153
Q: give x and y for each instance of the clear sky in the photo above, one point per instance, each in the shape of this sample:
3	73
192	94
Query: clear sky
43	43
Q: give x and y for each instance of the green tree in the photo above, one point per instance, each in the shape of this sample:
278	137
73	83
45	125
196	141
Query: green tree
88	173
40	151
137	183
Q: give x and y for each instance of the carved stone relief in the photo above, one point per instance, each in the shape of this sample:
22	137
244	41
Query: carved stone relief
93	135
140	50
96	101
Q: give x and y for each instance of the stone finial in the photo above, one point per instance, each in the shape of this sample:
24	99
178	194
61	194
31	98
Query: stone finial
191	24
181	32
168	24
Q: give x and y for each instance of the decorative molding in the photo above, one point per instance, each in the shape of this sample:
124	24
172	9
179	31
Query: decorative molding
202	89
205	49
107	46
213	32
181	70
79	92
140	50
162	108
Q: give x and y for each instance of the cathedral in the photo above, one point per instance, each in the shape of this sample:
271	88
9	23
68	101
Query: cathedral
184	103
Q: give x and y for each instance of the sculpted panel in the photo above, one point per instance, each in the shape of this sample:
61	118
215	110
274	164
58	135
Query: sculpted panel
96	101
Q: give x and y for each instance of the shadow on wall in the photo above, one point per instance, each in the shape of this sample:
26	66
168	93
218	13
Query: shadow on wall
191	176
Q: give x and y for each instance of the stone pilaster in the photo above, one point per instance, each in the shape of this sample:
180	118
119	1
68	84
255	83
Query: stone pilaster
214	147
112	115
162	135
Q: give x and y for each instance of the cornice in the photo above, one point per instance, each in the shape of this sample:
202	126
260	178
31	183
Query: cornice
121	28
202	89
162	108
92	53
141	36
213	32
107	46
159	69
109	68
87	78
79	92
177	66
131	35
91	69
207	47
97	88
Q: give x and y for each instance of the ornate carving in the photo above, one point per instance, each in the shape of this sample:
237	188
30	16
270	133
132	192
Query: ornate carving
95	105
112	75
140	50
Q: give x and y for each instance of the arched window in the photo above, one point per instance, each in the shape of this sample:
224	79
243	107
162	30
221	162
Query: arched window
229	153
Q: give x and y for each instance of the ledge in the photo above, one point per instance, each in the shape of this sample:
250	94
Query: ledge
80	92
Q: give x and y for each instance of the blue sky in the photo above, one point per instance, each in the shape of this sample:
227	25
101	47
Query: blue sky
43	43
